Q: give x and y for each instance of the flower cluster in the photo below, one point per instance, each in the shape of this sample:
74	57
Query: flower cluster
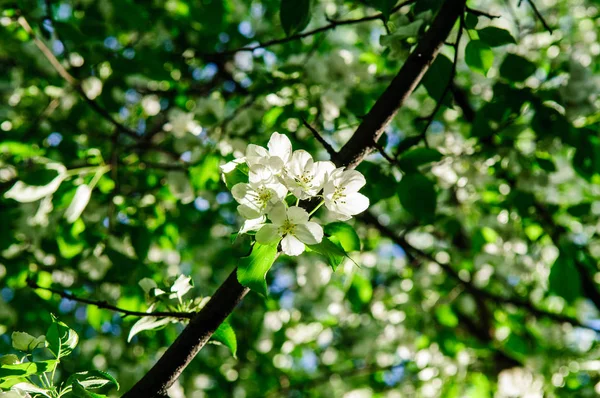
279	177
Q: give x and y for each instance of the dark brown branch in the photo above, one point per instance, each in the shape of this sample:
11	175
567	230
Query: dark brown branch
332	25
168	368
370	130
106	306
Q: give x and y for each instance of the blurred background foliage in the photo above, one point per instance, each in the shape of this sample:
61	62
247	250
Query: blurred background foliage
479	270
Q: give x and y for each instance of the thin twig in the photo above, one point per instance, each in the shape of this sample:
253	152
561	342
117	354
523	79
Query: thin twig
72	81
332	25
469	287
106	306
332	152
539	15
479	13
440	102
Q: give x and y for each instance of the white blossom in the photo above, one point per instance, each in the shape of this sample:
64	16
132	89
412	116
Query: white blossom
275	158
304	177
259	195
341	193
293	226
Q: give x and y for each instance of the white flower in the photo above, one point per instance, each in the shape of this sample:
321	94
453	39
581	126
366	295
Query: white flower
253	225
293	226
341	193
257	197
278	155
232	165
304	177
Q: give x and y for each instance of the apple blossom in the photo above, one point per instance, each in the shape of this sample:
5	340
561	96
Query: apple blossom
341	193
293	226
304	177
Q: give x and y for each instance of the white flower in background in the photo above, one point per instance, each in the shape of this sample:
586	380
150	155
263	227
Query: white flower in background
79	203
304	177
293	226
341	193
258	196
278	154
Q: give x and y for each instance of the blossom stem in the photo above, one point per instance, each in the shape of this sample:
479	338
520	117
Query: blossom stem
316	208
297	201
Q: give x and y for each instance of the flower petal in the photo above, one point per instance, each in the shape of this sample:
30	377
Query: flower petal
291	246
230	166
280	145
320	171
239	191
299	162
253	225
310	233
354	203
277	215
255	151
249	213
297	215
352	180
267	234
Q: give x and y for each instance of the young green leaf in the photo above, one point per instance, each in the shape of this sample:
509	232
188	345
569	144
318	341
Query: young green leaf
294	15
25	342
516	68
345	234
331	248
360	292
147	323
226	336
495	37
92	379
418	197
31	389
253	269
479	56
414	158
61	339
22	370
80	391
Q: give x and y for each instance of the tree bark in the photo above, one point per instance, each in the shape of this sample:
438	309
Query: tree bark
169	367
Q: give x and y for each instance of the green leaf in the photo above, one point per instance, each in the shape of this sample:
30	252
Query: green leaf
80	391
92	379
294	15
437	77
345	234
495	37
414	158
25	342
141	239
418	197
580	210
360	292
226	336
384	6
32	389
545	164
332	249
21	370
252	270
237	175
61	339
564	279
516	68
446	316
471	21
147	323
479	56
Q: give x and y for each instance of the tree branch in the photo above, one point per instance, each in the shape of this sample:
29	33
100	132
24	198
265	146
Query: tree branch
332	25
539	15
106	306
168	368
469	287
408	78
332	152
